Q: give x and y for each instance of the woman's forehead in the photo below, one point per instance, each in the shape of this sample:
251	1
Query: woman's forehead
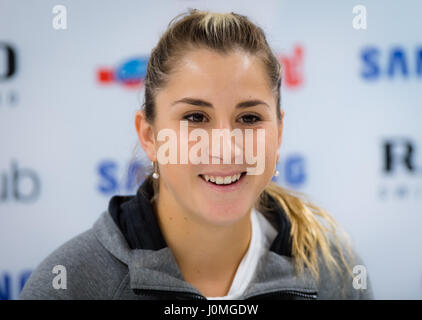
212	62
207	72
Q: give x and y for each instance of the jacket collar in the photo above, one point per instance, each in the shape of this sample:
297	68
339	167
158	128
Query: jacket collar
158	270
152	265
137	221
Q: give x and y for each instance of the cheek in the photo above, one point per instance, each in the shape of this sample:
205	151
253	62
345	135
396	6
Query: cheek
270	147
176	173
178	178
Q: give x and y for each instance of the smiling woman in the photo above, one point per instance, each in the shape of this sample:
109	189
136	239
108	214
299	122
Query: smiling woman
209	229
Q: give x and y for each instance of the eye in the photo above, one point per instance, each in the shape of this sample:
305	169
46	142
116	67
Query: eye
195	117
250	118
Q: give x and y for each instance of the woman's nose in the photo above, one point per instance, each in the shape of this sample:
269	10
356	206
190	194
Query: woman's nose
226	144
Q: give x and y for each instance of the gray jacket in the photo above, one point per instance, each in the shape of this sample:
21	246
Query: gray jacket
100	264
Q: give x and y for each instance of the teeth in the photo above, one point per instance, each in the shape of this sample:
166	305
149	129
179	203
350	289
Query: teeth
222	180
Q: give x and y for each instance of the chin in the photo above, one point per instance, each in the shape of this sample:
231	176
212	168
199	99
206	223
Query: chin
223	214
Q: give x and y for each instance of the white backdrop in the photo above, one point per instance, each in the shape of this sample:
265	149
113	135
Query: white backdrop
352	136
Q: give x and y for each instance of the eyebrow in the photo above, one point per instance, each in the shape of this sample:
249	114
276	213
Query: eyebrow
202	103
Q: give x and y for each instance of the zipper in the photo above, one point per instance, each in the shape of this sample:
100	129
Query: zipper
291	293
169	294
190	295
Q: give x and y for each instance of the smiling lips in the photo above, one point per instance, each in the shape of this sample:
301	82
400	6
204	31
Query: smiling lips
222	180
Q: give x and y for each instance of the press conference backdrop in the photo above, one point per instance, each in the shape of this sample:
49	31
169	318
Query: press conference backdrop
71	76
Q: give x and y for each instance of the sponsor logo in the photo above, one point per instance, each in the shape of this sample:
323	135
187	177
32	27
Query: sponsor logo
401	169
292	171
293	71
393	63
130	73
11	286
8	61
19	184
114	178
8	70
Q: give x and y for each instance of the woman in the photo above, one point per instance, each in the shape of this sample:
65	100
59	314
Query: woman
206	229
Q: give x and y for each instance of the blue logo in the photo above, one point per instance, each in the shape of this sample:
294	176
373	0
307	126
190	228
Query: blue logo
397	62
131	73
115	179
292	171
7	285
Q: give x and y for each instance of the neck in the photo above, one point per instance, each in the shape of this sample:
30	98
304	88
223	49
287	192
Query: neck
206	254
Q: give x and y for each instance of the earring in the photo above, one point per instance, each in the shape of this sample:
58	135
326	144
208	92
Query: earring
276	173
155	175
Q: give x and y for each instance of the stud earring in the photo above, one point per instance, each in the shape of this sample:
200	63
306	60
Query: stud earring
276	173
155	175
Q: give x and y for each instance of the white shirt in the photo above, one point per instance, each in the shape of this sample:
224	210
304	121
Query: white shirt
263	234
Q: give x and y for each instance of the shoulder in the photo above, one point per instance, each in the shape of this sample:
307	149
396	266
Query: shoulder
351	281
81	268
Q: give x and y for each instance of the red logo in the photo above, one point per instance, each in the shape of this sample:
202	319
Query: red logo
292	67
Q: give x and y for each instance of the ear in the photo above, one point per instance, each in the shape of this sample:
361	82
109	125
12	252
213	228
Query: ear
280	135
145	135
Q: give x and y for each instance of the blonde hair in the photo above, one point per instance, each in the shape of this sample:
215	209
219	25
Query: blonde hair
313	230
